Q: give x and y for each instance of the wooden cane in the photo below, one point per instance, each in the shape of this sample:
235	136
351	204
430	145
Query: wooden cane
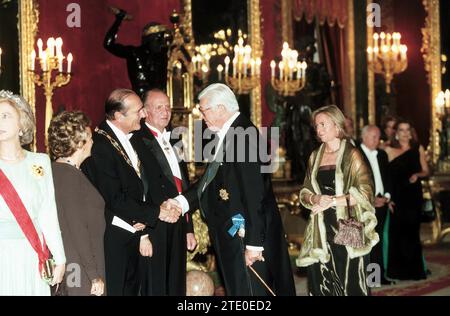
262	281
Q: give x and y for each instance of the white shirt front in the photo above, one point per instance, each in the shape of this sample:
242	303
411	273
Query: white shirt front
372	157
125	142
224	130
164	142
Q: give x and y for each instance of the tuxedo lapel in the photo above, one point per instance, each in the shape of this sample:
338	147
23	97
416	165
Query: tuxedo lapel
105	127
184	175
152	144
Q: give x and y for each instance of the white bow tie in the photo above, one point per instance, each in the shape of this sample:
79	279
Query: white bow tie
166	136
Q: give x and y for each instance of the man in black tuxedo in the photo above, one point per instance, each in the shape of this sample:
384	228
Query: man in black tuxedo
237	201
115	170
166	174
378	161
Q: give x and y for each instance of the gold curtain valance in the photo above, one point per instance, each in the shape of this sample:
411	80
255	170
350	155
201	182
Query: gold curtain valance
330	11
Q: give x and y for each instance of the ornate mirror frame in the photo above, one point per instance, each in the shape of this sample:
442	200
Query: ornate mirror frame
254	30
431	50
28	26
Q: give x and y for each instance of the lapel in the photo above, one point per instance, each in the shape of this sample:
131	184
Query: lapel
213	167
184	175
366	159
152	144
108	133
104	126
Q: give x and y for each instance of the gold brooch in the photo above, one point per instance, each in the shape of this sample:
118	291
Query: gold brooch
38	171
224	194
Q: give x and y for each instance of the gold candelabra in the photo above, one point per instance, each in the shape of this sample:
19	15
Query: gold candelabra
50	59
387	56
246	69
292	73
442	101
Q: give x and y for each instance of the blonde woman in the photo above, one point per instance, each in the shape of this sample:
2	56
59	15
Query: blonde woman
28	217
336	175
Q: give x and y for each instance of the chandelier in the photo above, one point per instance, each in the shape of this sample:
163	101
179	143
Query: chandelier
245	71
292	73
386	56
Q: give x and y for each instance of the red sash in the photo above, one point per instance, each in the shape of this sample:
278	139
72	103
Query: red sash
178	181
179	185
19	211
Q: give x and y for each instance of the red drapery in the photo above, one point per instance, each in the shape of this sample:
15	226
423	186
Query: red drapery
330	11
333	43
96	71
270	30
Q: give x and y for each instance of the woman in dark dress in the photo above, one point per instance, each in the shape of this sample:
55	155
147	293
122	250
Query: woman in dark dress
80	206
336	175
407	164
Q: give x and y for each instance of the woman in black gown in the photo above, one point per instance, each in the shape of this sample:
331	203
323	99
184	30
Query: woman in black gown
407	164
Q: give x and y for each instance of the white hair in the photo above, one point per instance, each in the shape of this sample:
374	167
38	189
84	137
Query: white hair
368	128
220	94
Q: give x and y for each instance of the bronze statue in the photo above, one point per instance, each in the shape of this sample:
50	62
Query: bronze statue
147	64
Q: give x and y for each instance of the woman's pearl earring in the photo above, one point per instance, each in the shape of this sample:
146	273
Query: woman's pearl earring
20	133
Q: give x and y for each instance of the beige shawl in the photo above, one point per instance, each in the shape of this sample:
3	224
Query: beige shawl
352	176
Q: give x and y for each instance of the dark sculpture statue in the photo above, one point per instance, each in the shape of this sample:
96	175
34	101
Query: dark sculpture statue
147	64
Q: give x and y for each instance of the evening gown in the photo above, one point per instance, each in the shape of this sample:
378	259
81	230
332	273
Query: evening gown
405	259
333	278
19	268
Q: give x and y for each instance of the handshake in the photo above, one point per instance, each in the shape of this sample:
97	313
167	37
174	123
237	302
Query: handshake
170	211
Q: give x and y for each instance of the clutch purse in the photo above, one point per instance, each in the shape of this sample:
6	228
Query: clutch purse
350	231
47	270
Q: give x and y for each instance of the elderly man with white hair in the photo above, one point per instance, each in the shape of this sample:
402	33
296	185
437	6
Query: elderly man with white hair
377	160
238	204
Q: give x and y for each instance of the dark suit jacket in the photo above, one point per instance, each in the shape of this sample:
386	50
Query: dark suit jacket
383	163
119	184
123	192
239	187
168	265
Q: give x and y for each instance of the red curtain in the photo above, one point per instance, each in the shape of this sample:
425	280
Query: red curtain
330	11
333	43
96	72
331	39
270	31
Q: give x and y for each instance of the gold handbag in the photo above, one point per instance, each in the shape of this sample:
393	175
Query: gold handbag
350	230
